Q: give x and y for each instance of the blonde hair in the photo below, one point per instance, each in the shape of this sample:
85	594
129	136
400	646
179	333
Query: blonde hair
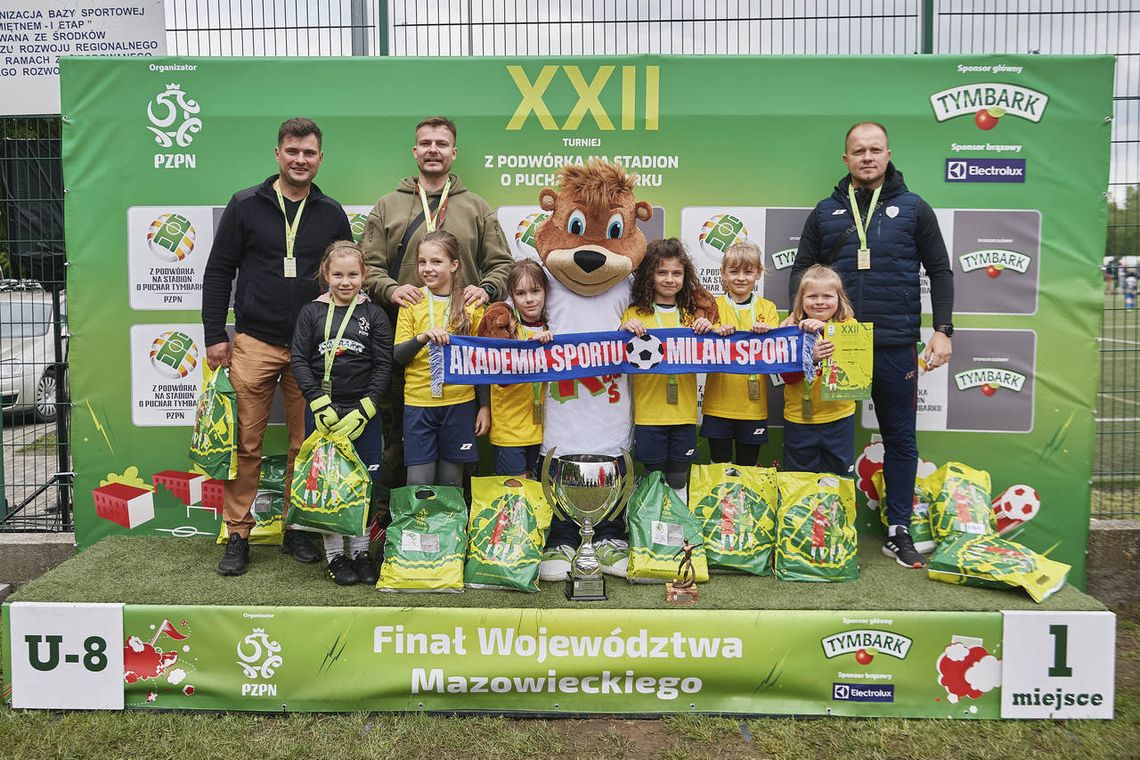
827	277
459	321
744	254
346	248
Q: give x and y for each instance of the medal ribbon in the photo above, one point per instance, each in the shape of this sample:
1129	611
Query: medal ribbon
290	230
537	389
330	351
432	222
671	392
859	228
735	312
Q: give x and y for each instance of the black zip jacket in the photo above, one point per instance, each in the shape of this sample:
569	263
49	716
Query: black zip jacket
364	357
250	242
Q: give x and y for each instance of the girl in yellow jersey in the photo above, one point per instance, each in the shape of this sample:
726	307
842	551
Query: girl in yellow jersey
516	410
819	436
439	430
735	407
665	294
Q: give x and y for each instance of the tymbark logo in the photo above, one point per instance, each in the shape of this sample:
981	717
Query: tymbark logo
589	97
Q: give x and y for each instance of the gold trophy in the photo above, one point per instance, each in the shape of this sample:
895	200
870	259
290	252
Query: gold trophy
586	489
683	589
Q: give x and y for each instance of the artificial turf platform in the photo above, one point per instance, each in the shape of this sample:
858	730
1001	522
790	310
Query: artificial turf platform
158	570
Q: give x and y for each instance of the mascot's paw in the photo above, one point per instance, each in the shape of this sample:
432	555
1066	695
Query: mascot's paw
706	306
497	322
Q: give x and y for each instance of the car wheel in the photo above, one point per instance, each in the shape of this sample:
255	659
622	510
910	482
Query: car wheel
46	397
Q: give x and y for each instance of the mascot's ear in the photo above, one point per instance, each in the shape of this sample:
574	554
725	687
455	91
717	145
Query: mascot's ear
547	197
644	211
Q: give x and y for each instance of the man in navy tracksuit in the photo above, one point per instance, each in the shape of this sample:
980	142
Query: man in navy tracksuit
876	234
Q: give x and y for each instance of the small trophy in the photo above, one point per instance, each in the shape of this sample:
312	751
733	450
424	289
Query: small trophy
683	589
586	489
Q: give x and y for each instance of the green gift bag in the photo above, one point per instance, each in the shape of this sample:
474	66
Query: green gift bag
331	487
659	525
213	449
991	562
426	541
268	505
506	533
961	502
817	539
919	527
737	509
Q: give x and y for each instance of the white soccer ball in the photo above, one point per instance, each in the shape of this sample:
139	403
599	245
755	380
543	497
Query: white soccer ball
1018	503
644	351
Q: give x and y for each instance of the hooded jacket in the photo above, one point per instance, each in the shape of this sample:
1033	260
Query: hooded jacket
902	235
486	260
250	241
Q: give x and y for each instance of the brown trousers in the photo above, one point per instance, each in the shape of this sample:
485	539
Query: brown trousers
255	369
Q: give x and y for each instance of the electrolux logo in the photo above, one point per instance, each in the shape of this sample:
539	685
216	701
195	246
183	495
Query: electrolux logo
985	170
853	692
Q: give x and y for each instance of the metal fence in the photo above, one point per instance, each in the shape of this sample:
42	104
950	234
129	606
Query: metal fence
36	486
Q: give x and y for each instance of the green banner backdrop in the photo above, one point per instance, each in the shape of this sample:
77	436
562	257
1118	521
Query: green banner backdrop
1011	151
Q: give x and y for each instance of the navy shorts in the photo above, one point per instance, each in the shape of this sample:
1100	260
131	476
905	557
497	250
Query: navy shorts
749	432
369	445
440	432
826	447
658	444
517	460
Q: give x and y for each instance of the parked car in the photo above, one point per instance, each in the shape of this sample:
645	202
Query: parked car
28	380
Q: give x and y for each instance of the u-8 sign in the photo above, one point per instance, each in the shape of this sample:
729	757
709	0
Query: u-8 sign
1058	665
67	656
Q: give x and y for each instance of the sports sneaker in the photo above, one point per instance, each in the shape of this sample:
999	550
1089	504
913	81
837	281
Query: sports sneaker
297	543
901	547
236	559
555	564
340	570
365	568
613	553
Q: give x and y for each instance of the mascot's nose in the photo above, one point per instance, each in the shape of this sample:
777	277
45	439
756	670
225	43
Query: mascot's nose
588	261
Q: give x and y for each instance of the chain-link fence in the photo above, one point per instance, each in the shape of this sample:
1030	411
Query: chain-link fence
35	452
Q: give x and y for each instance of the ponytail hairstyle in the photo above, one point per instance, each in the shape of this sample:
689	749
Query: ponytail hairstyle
458	321
345	248
827	277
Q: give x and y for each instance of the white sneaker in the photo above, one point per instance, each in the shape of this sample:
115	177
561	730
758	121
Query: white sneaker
613	553
555	564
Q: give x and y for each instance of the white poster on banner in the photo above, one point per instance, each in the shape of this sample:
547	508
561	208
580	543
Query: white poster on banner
166	373
66	656
167	250
1058	664
35	33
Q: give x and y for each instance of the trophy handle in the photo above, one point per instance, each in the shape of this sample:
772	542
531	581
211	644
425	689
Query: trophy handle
626	487
547	491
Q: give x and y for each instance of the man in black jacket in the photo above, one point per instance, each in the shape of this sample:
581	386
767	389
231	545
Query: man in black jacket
876	234
272	236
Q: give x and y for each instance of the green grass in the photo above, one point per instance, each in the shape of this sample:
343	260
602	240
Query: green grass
1116	467
159	570
46	443
189	736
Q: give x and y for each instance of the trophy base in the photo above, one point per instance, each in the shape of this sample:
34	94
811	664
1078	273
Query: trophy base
686	597
590	588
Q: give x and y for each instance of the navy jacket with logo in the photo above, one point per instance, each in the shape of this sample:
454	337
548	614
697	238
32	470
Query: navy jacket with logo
902	235
250	241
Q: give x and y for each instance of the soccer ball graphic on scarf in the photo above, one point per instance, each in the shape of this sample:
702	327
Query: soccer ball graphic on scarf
644	351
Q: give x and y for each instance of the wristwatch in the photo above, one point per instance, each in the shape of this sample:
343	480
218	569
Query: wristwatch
946	329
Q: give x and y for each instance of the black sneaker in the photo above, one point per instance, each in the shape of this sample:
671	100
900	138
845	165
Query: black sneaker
236	559
901	547
298	544
340	570
365	568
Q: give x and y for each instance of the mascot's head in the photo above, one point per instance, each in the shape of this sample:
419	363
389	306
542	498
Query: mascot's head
591	240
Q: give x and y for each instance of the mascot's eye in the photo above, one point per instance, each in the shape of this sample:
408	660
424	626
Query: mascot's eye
577	223
615	227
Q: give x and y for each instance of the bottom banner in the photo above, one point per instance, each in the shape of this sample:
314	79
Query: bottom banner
918	664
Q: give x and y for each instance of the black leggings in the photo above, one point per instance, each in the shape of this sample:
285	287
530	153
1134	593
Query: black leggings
676	473
720	450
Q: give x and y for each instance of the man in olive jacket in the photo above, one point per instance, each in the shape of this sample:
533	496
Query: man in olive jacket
433	199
